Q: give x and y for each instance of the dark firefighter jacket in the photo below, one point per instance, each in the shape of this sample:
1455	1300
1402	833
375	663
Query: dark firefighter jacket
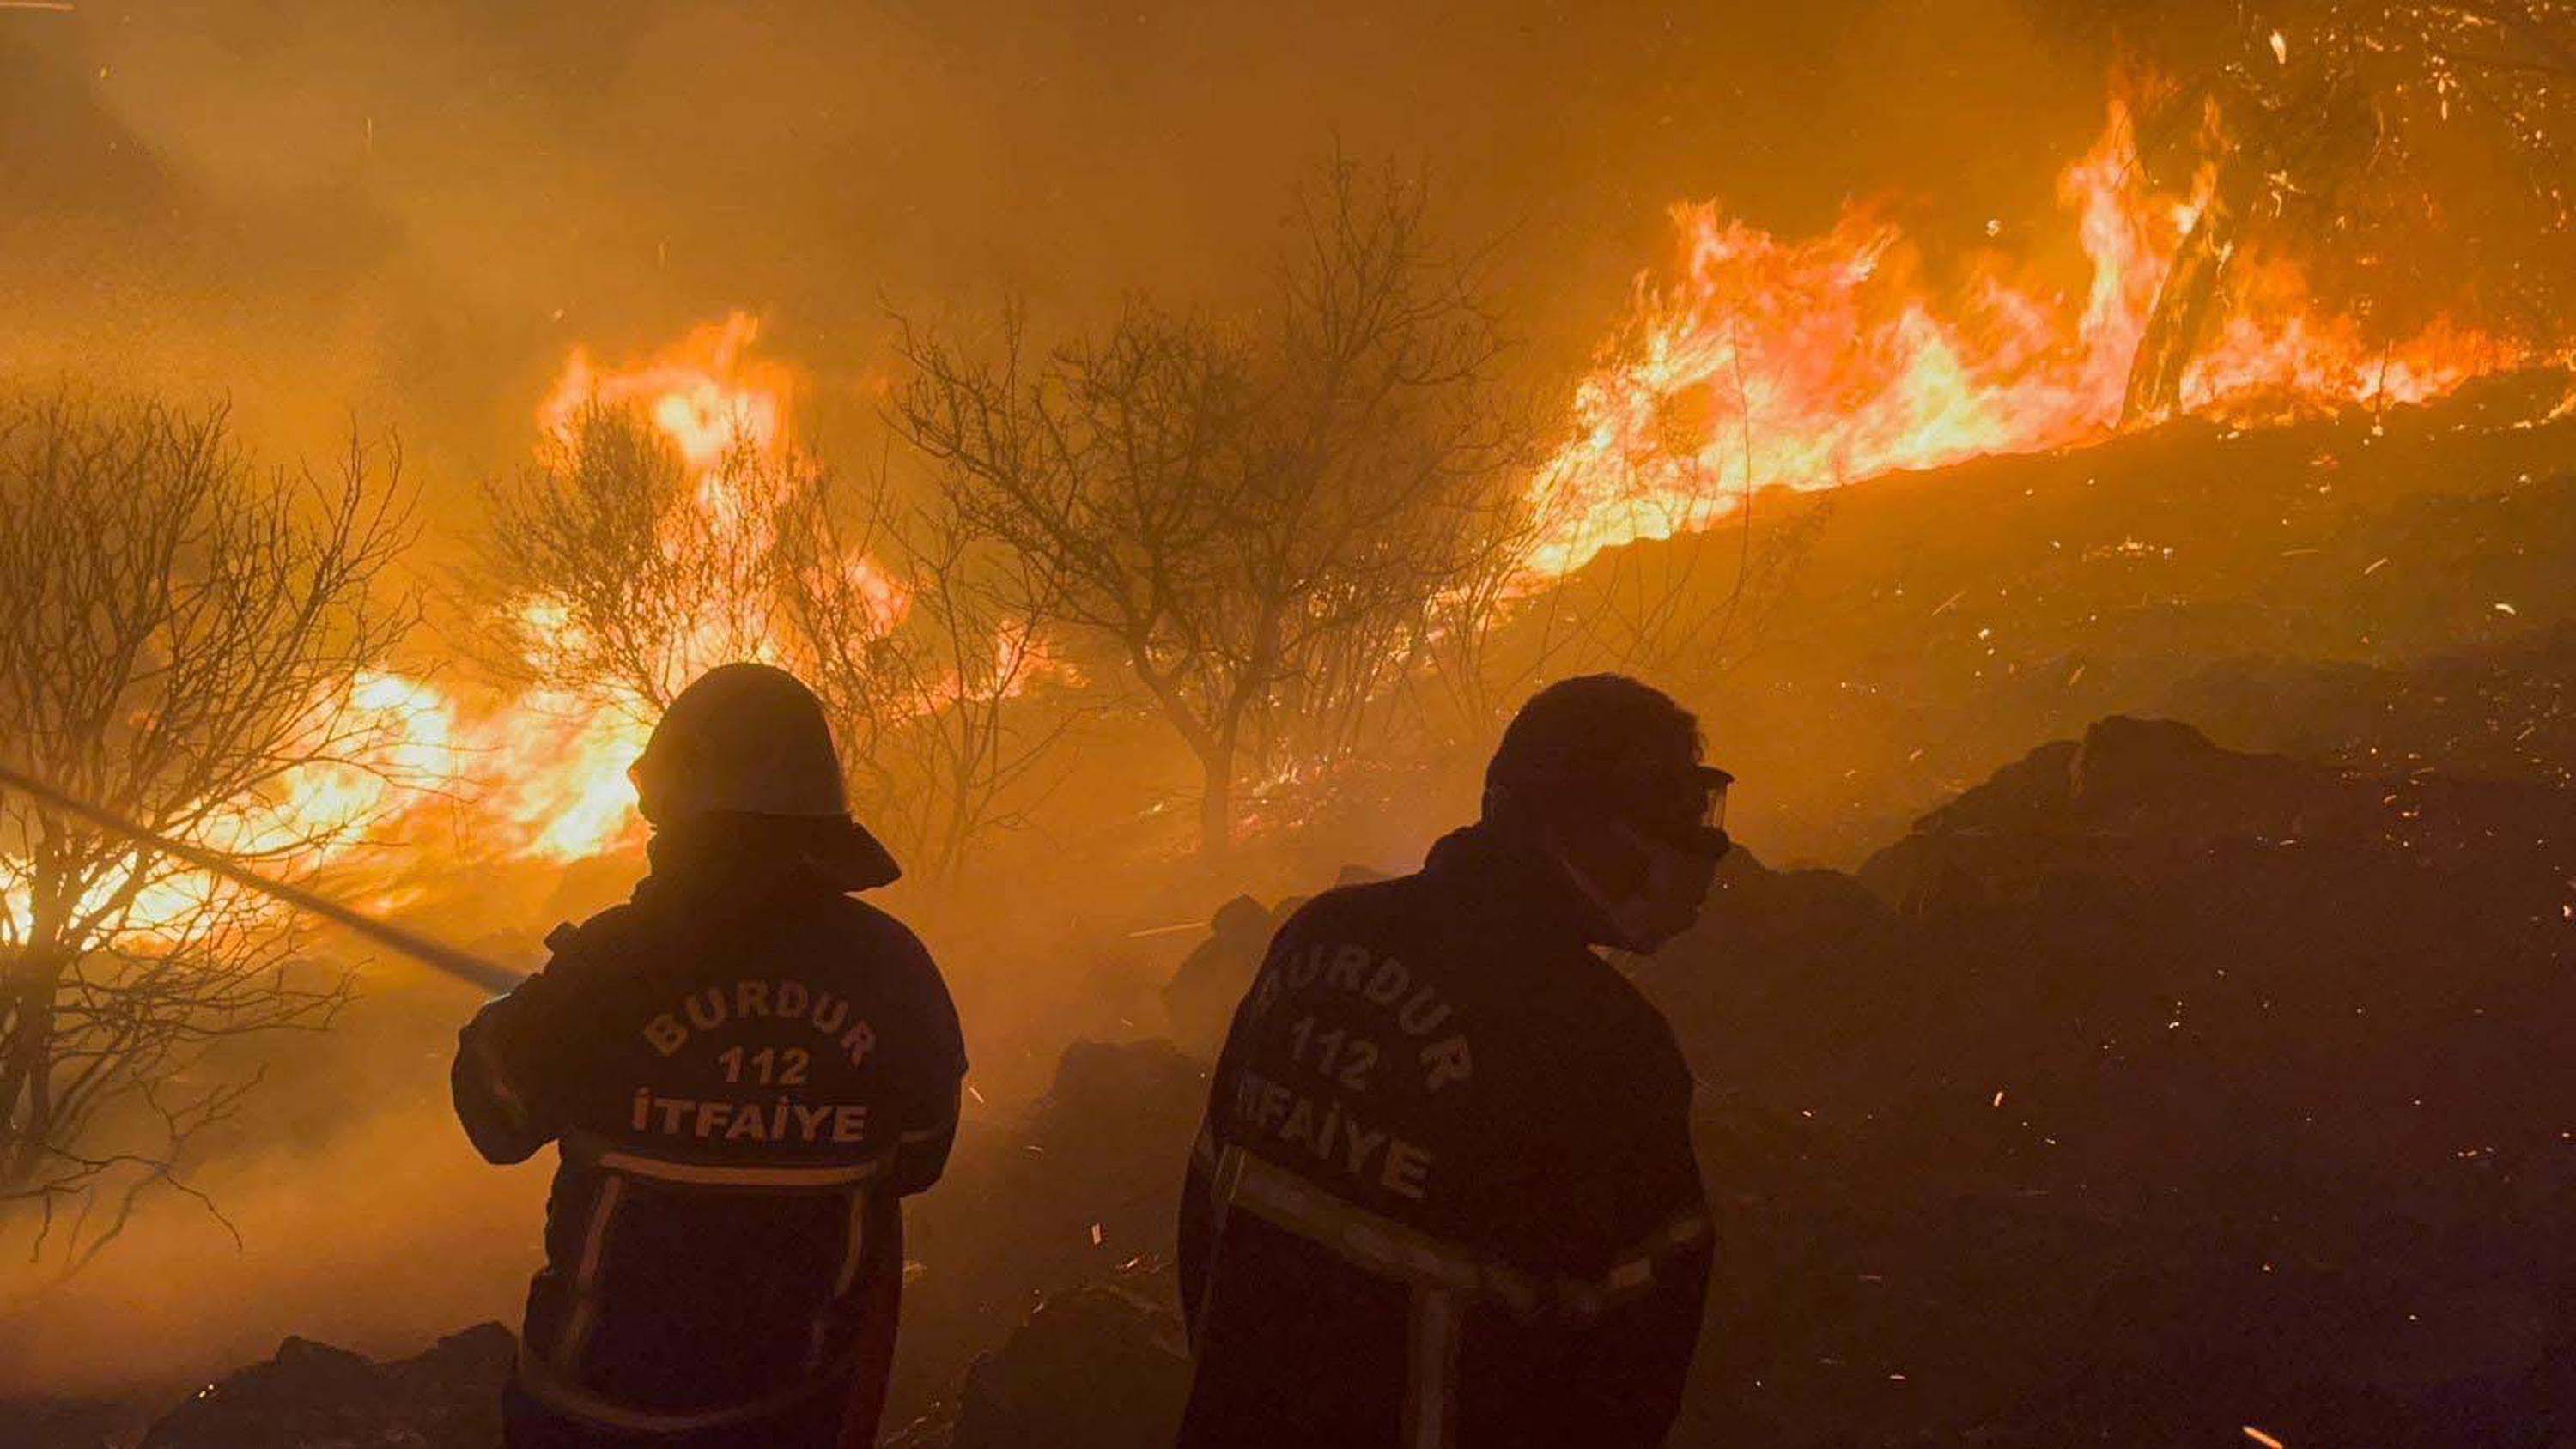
1445	1192
746	1070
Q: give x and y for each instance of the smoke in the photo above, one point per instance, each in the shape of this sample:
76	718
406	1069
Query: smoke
413	211
410	213
400	1236
363	1222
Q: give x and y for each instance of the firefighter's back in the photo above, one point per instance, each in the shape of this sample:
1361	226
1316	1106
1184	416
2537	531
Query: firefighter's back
1438	1123
745	1070
746	1081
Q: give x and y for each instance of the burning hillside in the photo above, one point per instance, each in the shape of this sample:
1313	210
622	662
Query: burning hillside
1759	363
1807	364
1158	524
1755	362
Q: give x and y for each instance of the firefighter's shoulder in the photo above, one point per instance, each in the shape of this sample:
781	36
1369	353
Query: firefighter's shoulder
878	939
887	951
578	949
1629	1041
1347	910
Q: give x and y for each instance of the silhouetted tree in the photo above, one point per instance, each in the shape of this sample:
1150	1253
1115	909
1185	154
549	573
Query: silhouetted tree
1261	515
632	571
187	645
627	573
927	660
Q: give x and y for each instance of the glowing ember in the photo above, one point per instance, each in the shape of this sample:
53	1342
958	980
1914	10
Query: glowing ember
1809	363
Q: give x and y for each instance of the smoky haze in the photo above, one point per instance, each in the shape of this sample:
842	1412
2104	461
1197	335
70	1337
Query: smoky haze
409	214
414	211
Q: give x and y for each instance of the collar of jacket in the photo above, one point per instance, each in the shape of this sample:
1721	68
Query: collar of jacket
1515	881
755	856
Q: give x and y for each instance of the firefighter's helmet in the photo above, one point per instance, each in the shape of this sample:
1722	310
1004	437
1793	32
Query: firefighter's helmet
745	739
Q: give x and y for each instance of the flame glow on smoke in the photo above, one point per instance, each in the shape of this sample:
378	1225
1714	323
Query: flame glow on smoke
550	768
1755	361
704	392
1764	362
542	774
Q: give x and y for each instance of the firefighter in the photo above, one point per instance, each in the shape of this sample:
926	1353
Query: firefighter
745	1070
1200	997
1444	1193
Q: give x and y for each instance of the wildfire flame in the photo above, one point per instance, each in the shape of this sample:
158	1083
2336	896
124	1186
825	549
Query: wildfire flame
553	766
550	769
1757	361
1808	363
543	773
704	392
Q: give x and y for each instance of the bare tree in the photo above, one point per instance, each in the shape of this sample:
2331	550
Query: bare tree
1256	514
926	642
186	644
635	572
1467	681
629	572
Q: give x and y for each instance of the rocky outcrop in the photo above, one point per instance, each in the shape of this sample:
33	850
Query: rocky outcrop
1200	997
2147	1090
310	1395
1102	1366
1083	1189
2137	799
2505	711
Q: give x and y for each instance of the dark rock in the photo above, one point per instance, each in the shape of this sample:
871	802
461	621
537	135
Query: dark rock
1103	1366
1088	1181
2147	1090
1101	1085
2505	711
313	1396
1201	995
2136	799
54	1423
